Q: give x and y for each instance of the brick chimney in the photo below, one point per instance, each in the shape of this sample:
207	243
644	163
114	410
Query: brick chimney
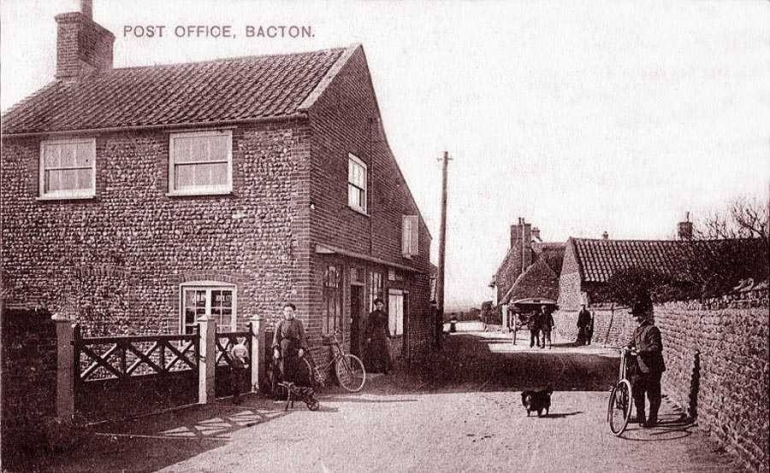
82	46
684	229
521	245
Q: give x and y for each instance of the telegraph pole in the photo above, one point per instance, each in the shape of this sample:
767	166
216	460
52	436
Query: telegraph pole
441	253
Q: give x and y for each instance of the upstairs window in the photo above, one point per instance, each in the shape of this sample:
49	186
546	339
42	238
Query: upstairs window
68	169
356	183
409	236
201	163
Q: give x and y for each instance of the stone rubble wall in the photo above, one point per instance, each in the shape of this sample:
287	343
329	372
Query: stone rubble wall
717	360
717	369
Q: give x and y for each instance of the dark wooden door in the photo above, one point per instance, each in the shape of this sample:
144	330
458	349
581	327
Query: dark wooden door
356	303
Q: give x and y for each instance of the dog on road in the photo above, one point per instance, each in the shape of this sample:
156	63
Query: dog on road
537	401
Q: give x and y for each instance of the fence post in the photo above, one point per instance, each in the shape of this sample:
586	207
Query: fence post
208	359
256	354
65	367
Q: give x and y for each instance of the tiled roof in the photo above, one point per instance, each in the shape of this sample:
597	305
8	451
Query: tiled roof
600	259
237	89
538	282
552	253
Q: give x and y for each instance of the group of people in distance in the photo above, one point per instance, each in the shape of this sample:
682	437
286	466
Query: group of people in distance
540	326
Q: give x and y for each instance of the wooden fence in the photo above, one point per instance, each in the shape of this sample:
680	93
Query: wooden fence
105	378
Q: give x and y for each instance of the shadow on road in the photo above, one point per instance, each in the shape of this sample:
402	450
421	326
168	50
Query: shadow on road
153	442
671	427
561	416
483	362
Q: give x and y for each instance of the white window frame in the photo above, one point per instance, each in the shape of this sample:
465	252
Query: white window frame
200	190
409	236
396	312
353	160
67	194
208	286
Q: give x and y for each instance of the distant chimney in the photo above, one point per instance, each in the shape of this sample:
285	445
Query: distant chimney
685	228
605	235
87	9
521	245
82	46
536	234
525	244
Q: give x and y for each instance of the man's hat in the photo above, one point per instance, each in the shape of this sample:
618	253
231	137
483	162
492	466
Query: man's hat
637	309
376	300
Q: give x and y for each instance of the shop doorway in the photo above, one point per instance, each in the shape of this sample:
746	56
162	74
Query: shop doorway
356	317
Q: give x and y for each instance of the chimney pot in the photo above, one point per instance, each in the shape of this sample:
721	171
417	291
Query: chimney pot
87	9
684	229
605	235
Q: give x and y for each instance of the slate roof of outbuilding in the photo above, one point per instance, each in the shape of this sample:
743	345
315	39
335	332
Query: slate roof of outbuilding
600	259
236	89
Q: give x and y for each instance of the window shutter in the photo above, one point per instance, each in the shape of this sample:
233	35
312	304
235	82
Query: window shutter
409	235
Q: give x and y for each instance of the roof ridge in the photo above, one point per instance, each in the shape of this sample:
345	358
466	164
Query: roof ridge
216	60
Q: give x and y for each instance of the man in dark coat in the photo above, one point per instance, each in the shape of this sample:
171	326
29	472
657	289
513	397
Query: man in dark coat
584	326
647	365
378	346
547	325
535	323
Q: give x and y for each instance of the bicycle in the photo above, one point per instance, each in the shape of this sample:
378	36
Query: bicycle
621	399
350	371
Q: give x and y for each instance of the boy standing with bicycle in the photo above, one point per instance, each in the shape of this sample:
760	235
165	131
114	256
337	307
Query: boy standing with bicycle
648	366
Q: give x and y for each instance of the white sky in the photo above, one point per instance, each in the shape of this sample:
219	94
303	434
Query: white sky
580	116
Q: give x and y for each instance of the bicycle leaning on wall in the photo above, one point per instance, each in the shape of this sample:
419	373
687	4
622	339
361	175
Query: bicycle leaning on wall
350	371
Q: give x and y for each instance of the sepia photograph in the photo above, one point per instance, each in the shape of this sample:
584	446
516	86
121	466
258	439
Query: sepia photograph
384	236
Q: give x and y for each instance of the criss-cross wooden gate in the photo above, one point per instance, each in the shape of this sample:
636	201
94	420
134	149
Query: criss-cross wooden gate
129	375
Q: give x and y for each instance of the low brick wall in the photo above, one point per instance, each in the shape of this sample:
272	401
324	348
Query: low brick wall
717	368
29	381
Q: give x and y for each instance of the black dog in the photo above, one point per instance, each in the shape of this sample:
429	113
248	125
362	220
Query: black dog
537	401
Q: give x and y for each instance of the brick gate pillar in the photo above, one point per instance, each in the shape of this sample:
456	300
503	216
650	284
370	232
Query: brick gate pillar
65	367
207	328
256	351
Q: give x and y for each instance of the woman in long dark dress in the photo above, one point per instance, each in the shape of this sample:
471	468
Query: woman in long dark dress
378	347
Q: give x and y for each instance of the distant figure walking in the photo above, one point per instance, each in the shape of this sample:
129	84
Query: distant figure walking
377	339
585	326
547	326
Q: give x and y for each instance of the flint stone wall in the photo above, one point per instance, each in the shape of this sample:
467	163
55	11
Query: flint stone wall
717	356
717	361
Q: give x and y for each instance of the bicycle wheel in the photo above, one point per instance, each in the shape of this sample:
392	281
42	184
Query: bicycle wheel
619	407
307	373
350	373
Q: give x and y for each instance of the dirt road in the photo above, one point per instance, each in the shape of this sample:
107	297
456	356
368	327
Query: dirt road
463	414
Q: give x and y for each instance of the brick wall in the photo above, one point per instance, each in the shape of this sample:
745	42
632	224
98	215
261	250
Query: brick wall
29	381
82	46
717	367
345	119
125	252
